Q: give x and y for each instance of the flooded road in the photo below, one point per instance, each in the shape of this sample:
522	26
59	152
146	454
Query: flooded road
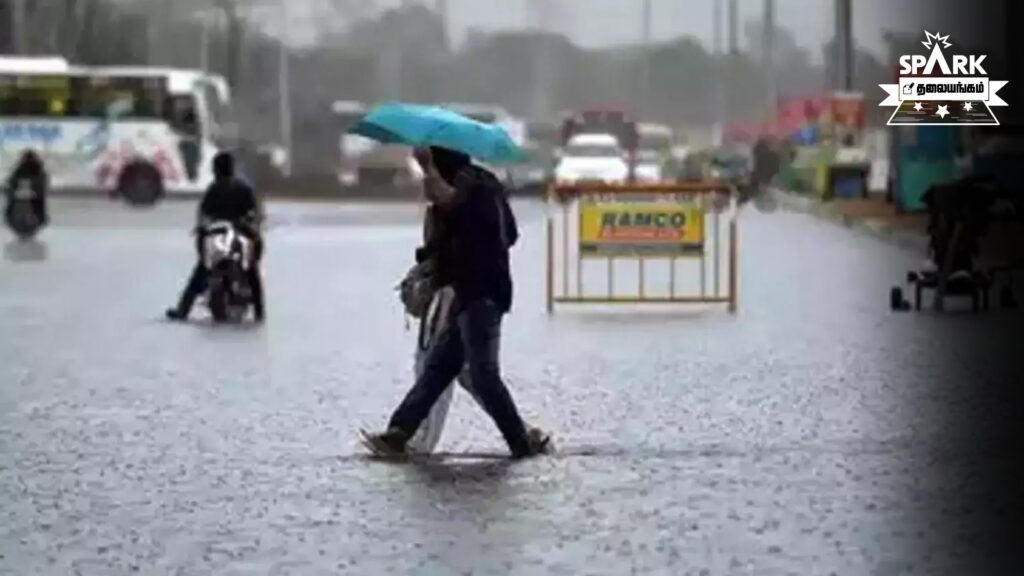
794	437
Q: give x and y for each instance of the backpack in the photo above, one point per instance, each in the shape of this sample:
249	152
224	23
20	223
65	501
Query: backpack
417	289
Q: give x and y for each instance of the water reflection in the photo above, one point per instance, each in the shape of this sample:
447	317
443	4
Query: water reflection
765	202
31	250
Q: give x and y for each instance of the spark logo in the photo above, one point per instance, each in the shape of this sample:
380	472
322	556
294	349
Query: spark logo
936	91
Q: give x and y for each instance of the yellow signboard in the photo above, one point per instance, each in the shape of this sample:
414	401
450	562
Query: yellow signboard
641	229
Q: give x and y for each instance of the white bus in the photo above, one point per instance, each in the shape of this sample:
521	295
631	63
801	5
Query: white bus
90	123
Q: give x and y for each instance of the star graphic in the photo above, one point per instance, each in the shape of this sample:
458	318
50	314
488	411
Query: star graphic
968	106
934	39
943	111
917	106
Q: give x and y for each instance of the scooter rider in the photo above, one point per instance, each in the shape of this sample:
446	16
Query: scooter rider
30	168
228	198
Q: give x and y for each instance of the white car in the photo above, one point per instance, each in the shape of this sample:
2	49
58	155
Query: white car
592	157
648	166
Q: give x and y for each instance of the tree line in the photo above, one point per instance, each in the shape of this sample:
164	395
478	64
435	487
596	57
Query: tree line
405	54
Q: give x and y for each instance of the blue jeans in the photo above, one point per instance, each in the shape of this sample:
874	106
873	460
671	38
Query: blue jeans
474	338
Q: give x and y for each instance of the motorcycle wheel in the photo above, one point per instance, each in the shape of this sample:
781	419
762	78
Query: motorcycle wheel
23	221
236	313
218	302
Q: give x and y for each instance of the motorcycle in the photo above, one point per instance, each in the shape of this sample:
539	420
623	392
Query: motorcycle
21	214
227	258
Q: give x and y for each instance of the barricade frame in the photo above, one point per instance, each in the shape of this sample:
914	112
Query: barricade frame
563	196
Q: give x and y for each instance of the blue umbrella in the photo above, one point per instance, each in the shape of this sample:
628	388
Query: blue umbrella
419	125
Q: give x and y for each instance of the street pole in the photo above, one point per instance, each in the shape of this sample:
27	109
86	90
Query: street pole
284	89
154	13
645	84
768	65
734	22
441	7
539	65
719	91
204	41
18	24
399	47
844	46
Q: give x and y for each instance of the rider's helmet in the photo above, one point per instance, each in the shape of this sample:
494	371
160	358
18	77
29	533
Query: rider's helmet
30	165
223	166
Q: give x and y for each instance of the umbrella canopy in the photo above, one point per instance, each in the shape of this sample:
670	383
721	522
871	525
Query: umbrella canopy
419	125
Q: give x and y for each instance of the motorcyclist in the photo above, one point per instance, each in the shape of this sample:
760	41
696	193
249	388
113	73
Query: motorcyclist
228	198
29	168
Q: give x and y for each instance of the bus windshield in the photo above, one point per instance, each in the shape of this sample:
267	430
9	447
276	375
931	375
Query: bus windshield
184	115
81	96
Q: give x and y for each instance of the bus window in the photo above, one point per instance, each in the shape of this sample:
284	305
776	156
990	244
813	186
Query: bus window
57	107
71	96
40	96
105	103
184	116
119	97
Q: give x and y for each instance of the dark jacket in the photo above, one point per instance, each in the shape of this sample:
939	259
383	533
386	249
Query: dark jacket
471	239
29	168
229	200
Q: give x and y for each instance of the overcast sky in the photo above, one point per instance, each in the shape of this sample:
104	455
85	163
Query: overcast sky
593	23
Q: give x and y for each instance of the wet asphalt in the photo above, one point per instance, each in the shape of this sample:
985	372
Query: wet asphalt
793	437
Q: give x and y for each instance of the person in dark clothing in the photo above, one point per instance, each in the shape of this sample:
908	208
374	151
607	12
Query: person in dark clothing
766	161
470	249
189	144
228	198
477	229
30	168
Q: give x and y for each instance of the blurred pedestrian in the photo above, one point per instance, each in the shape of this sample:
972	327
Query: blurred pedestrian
470	251
30	170
766	161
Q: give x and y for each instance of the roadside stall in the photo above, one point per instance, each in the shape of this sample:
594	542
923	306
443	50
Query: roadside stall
845	168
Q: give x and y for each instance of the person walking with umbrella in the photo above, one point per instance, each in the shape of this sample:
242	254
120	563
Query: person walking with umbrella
472	255
429	299
471	252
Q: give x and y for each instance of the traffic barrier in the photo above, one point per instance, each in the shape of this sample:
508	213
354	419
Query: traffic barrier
643	223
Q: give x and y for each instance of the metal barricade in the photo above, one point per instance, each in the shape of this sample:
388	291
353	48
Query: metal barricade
642	223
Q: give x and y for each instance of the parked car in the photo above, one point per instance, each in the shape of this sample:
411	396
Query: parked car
592	157
533	176
389	170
